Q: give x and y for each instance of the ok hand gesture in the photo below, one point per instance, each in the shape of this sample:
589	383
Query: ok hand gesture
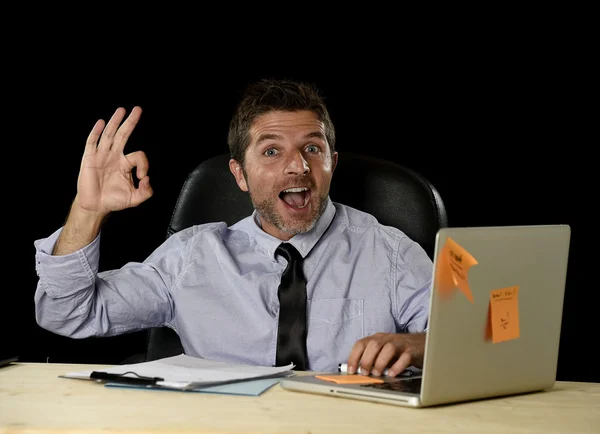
105	182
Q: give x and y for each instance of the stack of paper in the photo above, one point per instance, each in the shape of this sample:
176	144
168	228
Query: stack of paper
184	372
244	388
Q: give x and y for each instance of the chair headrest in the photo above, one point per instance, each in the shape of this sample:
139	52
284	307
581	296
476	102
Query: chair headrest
396	195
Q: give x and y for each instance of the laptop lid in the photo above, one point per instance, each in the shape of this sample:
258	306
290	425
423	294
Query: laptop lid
496	333
499	333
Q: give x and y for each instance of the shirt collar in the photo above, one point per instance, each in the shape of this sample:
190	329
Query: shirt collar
303	242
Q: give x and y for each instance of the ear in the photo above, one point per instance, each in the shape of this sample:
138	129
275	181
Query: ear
334	161
238	173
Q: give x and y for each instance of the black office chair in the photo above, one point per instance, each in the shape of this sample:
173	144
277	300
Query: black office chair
395	195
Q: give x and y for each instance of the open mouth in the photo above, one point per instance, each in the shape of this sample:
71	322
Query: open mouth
297	197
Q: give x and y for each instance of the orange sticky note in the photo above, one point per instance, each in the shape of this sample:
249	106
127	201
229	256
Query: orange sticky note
503	314
350	379
452	269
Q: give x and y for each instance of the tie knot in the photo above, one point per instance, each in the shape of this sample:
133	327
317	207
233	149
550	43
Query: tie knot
289	252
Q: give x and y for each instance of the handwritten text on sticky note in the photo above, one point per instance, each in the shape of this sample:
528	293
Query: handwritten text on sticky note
452	269
503	319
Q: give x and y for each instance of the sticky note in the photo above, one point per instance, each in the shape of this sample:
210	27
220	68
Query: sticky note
503	315
349	379
452	270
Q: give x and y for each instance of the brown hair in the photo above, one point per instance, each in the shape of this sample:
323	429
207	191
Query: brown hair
269	95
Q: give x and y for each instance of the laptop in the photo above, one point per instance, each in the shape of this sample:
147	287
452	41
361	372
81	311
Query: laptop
7	359
497	335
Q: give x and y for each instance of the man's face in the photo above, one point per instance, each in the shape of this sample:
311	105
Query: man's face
288	170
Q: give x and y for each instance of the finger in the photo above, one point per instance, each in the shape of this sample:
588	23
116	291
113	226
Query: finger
139	160
108	134
355	356
369	355
386	354
143	192
92	140
125	130
403	362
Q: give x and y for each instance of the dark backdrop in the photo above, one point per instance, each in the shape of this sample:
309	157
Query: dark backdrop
499	132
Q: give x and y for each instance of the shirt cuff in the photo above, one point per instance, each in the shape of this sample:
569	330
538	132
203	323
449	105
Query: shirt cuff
56	270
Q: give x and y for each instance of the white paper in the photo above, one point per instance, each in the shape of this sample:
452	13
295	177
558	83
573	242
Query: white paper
185	372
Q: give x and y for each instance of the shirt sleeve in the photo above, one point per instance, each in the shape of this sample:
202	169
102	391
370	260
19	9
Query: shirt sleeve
73	299
414	271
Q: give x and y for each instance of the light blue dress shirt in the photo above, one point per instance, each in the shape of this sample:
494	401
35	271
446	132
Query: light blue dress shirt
216	286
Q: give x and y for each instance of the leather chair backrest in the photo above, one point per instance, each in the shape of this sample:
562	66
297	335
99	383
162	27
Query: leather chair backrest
396	195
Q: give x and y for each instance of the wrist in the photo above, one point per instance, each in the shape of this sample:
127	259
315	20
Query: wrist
85	215
85	218
80	229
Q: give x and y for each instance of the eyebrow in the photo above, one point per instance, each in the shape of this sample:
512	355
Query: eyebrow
311	135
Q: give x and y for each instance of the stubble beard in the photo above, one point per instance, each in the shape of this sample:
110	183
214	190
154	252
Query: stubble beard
267	209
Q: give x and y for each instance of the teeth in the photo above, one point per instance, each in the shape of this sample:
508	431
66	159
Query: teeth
295	190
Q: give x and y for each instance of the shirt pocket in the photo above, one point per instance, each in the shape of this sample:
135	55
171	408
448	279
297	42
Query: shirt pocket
335	324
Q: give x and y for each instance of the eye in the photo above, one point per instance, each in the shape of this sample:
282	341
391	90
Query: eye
313	149
270	152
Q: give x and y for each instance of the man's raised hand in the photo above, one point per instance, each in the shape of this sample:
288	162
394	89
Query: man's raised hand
105	181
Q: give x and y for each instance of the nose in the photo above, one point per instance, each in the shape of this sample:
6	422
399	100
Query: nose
297	164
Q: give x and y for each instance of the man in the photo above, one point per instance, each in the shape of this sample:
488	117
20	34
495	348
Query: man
367	284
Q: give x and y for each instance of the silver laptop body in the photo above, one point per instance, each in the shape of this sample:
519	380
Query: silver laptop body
462	362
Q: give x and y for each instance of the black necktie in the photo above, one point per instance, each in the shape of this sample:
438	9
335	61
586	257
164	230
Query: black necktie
291	337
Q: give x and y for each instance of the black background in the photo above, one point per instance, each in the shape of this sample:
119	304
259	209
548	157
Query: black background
497	124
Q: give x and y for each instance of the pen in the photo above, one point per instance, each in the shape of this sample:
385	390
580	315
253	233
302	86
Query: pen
121	378
343	367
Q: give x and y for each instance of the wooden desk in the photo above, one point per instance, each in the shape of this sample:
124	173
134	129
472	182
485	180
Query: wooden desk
34	400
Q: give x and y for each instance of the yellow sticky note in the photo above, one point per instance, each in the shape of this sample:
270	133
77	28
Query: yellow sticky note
503	314
349	379
453	267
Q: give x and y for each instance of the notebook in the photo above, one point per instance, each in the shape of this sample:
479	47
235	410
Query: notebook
495	320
